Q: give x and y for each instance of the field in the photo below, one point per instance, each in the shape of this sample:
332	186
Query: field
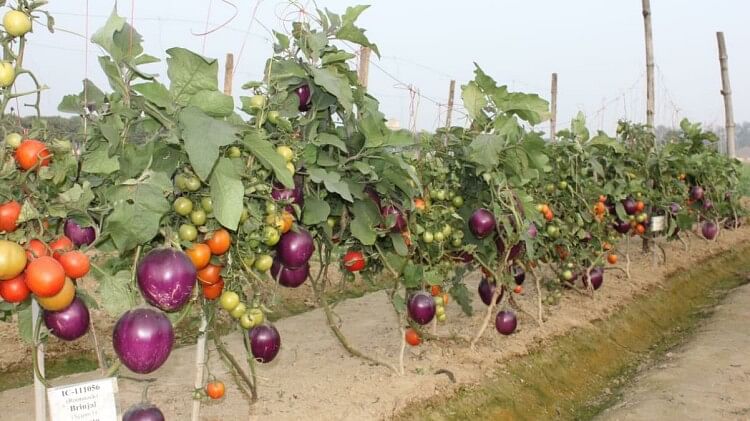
288	253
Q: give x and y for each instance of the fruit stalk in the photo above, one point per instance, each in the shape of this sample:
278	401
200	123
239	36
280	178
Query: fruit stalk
235	365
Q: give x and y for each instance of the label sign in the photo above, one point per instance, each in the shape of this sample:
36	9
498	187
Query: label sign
657	223
89	401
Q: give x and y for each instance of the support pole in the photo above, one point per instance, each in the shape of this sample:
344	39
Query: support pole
364	66
40	392
650	103
451	95
726	92
553	110
228	74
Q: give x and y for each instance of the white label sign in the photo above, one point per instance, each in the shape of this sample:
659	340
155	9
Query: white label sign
89	401
657	223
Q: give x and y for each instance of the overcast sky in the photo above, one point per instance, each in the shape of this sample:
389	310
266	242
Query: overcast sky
595	46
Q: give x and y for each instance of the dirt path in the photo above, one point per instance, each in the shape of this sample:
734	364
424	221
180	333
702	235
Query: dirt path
314	379
708	378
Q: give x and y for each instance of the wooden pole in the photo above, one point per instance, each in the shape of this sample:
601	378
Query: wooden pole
40	392
200	364
228	74
726	92
650	103
553	110
364	66
451	95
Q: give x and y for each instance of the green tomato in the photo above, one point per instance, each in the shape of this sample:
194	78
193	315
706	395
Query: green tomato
188	232
428	237
447	230
256	315
248	259
441	195
458	201
263	263
550	188
271	236
442	317
246	322
440	310
439	237
183	206
234	152
181	181
193	184
198	217
553	231
244	216
641	218
433	194
457	242
207	204
273	116
13	140
257	101
567	275
286	152
271	208
238	311
562	185
229	300
438	300
570	265
331	222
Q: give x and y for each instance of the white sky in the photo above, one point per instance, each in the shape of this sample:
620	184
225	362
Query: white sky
595	46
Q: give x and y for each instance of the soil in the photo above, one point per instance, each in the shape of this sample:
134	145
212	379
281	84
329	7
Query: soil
314	378
706	378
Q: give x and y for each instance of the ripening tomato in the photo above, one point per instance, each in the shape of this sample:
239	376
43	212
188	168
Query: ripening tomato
61	300
518	289
32	153
75	263
9	213
612	259
436	290
210	274
14	290
412	337
219	242
60	246
12	260
354	261
420	204
212	292
215	390
640	229
287	220
639	206
45	276
36	248
200	255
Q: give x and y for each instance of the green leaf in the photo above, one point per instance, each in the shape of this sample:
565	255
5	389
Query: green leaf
460	293
190	73
399	244
336	84
329	139
156	93
332	182
98	161
413	275
227	192
213	103
203	136
266	154
366	218
474	100
118	38
350	32
116	297
138	209
336	57
25	325
433	277
316	211
484	150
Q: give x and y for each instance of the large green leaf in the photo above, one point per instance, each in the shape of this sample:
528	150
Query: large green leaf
329	139
316	211
190	73
98	161
332	182
366	218
353	33
213	103
336	84
114	290
203	136
156	93
266	154
227	192
485	149
118	38
474	100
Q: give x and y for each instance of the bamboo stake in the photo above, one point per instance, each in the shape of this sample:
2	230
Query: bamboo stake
451	94
553	110
228	74
726	92
200	363
364	66
40	395
650	103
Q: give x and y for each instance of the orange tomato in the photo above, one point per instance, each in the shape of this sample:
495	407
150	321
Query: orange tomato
412	337
518	289
406	235
612	259
602	198
32	153
599	208
436	290
212	292
61	245
545	209
639	206
45	276
75	263
9	213
200	255
36	248
215	390
446	298
606	246
219	242
640	229
61	300
549	216
14	290
210	274
287	220
420	204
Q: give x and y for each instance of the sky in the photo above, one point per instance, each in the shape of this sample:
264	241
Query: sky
595	46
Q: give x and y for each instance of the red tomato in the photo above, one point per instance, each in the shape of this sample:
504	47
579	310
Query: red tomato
215	390
61	245
45	276
412	337
210	274
32	153
75	263
35	249
354	261
219	242
14	290
212	292
9	213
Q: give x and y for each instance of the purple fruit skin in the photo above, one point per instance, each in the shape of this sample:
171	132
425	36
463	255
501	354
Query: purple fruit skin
143	339
166	278
709	230
506	322
597	277
295	195
486	290
142	412
674	208
696	193
621	226
421	308
532	231
586	238
303	93
373	194
482	223
400	221
464	257
708	204
629	205
288	277
80	236
514	252
295	248
68	324
265	343
519	275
